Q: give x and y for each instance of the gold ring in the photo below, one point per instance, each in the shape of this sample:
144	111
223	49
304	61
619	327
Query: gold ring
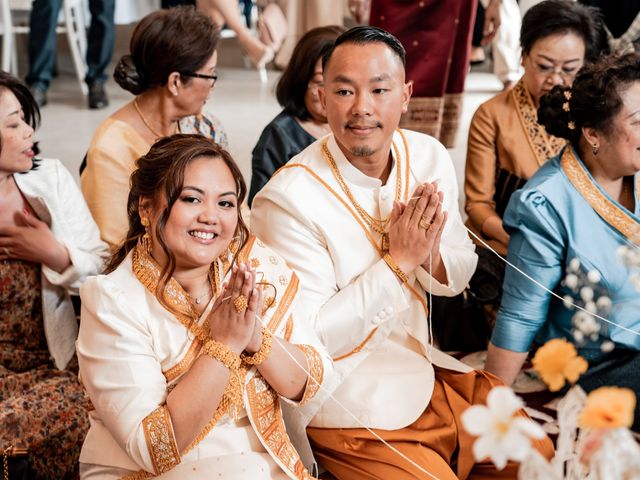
241	304
423	223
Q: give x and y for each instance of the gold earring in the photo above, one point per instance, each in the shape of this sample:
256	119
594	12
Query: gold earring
145	239
595	149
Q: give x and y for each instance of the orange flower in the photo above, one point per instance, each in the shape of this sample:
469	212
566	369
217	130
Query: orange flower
608	407
558	360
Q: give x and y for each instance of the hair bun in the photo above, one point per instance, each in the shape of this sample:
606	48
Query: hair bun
127	75
554	113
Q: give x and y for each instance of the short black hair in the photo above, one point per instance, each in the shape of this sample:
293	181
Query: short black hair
553	17
364	35
293	83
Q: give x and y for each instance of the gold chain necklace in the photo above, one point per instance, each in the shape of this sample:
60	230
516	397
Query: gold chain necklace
375	224
146	123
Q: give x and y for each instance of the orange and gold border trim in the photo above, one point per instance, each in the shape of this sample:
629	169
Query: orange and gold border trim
266	416
161	442
610	212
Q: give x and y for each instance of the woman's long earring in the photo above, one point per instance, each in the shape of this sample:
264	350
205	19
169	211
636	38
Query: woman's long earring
145	240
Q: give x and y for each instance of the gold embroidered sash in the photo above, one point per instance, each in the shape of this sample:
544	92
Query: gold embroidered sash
612	213
543	145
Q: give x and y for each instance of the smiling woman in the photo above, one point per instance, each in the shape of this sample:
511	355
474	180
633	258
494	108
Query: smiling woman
199	321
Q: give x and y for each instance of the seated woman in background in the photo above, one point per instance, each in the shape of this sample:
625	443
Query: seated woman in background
506	144
584	205
190	341
49	244
302	119
172	71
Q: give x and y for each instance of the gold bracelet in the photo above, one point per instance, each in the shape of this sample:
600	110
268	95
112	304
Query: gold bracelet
396	269
265	349
222	353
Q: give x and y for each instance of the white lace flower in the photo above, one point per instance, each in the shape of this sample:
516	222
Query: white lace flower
502	434
567	300
571	281
607	346
603	302
594	276
574	265
586	293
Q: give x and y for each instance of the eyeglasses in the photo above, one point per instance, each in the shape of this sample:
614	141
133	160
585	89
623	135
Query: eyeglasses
213	78
567	74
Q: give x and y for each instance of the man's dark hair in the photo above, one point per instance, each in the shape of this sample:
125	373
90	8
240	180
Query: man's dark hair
364	35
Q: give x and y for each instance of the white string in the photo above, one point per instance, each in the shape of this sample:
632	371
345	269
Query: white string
321	387
485	244
429	322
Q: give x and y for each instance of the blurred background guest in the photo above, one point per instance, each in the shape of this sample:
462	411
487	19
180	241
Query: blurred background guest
49	244
42	48
172	72
437	38
303	118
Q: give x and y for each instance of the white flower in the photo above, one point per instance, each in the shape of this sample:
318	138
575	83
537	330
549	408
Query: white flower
503	435
578	336
607	346
574	265
594	276
604	303
591	307
567	300
586	293
571	281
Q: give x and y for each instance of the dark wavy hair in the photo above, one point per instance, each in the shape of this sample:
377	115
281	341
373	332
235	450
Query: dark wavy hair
363	35
553	17
27	102
592	101
292	86
160	175
179	39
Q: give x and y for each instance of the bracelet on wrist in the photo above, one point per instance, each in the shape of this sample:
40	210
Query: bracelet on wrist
222	353
265	349
396	269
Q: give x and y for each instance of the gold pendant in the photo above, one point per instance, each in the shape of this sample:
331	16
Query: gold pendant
384	242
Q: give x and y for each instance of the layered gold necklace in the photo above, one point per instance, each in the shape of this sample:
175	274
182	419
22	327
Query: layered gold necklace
378	225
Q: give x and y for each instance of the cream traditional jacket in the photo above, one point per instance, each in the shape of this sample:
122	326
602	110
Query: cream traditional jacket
376	329
56	199
132	351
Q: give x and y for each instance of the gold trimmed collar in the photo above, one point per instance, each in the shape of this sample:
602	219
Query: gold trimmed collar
543	145
610	211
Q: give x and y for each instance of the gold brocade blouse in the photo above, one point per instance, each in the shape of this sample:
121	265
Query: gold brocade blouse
504	135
